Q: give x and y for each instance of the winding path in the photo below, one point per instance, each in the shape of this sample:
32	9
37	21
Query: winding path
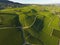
25	42
21	27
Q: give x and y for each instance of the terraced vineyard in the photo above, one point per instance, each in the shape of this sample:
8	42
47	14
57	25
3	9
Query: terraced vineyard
30	25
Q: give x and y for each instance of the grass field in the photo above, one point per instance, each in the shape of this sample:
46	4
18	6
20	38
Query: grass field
39	20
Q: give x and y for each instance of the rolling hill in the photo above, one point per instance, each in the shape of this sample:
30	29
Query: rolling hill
29	25
9	4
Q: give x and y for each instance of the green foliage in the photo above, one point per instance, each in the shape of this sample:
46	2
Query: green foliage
37	23
56	33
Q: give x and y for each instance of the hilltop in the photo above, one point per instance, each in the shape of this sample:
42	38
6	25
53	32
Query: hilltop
4	4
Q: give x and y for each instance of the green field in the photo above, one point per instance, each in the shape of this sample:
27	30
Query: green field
33	24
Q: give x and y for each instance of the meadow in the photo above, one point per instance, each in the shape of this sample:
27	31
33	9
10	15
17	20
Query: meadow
36	25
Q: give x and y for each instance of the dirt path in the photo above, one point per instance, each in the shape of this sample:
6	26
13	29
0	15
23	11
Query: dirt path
21	27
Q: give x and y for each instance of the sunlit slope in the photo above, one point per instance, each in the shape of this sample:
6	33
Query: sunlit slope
38	23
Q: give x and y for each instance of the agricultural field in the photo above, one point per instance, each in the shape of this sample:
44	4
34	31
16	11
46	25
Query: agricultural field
30	25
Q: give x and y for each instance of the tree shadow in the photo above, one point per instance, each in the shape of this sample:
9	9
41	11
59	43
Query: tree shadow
39	24
18	24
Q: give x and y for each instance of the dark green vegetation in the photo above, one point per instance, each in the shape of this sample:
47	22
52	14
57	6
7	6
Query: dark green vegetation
9	4
56	33
36	25
10	36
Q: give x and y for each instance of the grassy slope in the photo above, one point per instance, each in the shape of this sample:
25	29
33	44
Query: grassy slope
34	34
10	36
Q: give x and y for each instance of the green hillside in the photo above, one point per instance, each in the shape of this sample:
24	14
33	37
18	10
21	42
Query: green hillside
37	25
